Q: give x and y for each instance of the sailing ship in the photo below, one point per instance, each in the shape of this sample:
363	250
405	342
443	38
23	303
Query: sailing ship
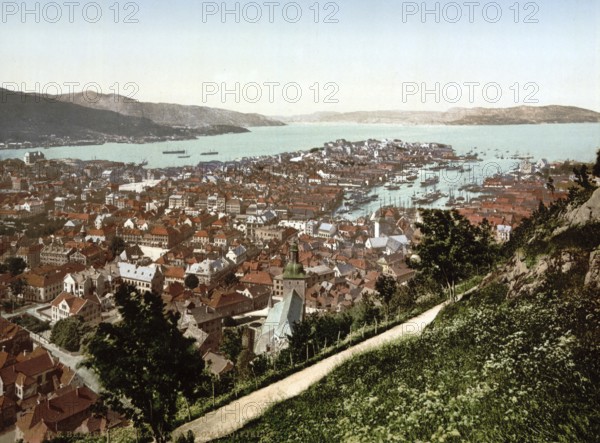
430	181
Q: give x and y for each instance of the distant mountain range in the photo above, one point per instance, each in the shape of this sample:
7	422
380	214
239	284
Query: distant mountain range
94	119
520	115
71	120
36	119
170	114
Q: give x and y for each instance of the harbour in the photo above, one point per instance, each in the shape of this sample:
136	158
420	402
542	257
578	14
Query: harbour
541	141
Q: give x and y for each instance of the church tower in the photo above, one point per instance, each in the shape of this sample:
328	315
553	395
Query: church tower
294	277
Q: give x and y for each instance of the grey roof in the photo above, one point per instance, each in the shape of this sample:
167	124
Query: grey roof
327	227
139	273
197	315
131	252
280	322
208	267
240	250
321	269
402	239
285	313
378	242
345	268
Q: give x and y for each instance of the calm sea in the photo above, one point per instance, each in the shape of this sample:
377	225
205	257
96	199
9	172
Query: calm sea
554	142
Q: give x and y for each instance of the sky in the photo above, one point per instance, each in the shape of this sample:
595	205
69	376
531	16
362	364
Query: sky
289	58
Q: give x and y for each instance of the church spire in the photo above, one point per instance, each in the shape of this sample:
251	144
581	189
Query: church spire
294	269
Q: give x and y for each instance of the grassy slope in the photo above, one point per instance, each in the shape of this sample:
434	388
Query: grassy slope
491	369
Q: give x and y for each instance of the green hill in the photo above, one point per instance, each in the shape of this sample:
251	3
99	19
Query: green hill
518	360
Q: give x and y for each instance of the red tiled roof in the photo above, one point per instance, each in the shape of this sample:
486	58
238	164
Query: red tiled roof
257	278
174	272
56	413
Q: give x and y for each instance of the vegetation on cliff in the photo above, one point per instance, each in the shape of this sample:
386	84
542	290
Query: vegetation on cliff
518	360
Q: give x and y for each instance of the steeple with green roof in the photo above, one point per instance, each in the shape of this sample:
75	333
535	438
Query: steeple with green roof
294	269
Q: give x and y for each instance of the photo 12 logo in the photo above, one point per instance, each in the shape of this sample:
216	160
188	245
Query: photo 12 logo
454	12
455	174
68	12
53	91
237	411
269	12
469	92
269	92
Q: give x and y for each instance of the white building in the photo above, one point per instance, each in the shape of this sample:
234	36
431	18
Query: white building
67	305
34	206
208	270
31	157
237	255
326	230
84	283
503	233
144	278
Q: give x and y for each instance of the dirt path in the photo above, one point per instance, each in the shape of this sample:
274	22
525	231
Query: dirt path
235	415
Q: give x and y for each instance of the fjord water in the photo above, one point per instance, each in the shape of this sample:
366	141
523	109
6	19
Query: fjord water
550	141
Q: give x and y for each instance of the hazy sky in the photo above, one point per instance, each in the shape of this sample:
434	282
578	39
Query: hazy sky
379	54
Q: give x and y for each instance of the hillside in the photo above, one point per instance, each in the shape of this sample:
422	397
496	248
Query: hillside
522	115
518	360
29	117
459	116
171	114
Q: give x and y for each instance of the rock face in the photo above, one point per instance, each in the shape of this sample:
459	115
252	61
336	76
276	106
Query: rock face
592	278
589	211
527	276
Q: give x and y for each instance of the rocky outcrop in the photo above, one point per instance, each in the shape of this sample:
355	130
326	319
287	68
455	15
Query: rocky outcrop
592	278
522	279
527	275
588	212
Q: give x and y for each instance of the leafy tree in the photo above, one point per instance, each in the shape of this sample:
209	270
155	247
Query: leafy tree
550	185
404	298
243	364
191	281
117	245
67	334
365	313
299	341
15	265
581	176
230	279
451	248
17	287
144	362
231	345
327	328
260	364
491	249
386	286
596	168
32	324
